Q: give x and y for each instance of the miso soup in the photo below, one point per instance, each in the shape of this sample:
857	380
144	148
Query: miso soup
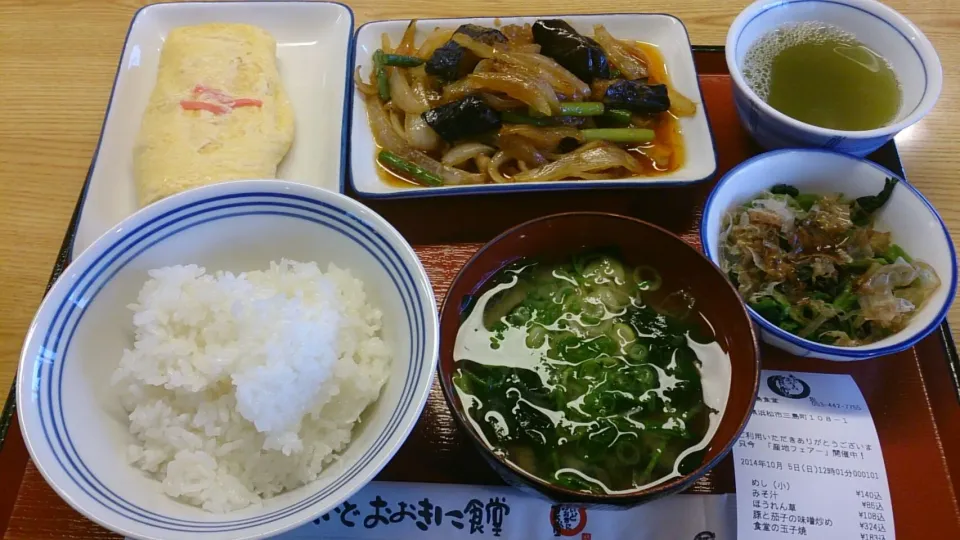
587	373
822	75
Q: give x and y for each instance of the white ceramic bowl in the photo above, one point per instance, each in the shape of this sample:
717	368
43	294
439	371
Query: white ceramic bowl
665	31
881	28
73	425
911	219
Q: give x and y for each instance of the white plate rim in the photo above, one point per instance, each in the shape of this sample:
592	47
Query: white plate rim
563	185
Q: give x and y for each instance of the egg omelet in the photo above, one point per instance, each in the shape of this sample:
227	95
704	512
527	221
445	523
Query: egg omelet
218	111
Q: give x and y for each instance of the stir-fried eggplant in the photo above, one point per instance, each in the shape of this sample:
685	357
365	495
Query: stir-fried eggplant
459	120
637	96
522	103
581	55
453	61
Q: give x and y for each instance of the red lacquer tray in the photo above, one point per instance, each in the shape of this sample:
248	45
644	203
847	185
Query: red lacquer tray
912	395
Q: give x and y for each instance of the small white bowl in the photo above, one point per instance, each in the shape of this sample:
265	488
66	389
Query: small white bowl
665	31
911	219
890	34
72	421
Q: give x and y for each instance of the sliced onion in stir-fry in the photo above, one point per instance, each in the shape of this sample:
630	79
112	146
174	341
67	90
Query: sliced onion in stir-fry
534	92
594	159
493	169
559	77
420	135
485	65
403	96
529	48
385	43
434	41
406	46
542	138
389	140
457	90
462	153
501	103
422	87
518	35
619	55
384	133
680	104
537	66
396	122
364	88
482	161
520	149
476	47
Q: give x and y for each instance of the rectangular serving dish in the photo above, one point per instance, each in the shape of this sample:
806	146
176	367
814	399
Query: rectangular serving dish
313	48
665	31
912	395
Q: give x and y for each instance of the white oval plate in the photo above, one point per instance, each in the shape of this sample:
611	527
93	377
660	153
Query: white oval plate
313	45
665	31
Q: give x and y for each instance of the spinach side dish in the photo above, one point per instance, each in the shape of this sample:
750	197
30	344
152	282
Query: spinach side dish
587	374
816	266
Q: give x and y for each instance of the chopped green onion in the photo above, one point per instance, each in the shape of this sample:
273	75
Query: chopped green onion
509	117
638	352
615	73
400	60
383	84
398	164
620	135
648	470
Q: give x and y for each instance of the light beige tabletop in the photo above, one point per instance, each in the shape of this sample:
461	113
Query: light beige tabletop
58	59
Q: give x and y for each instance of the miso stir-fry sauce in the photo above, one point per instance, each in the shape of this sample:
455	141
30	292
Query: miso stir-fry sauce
587	374
530	103
816	266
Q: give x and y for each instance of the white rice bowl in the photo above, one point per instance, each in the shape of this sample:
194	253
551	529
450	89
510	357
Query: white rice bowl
240	387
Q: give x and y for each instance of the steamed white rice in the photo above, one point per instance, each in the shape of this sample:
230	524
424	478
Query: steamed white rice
242	386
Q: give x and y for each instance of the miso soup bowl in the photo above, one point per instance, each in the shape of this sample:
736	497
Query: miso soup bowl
887	32
557	237
912	221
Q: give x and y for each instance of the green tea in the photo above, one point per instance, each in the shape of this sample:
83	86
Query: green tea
821	75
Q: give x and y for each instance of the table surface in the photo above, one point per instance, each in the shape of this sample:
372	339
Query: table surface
58	59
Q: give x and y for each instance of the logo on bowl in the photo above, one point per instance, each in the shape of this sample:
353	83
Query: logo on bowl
788	386
567	520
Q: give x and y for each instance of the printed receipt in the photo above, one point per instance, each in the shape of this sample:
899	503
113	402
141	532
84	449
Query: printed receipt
809	463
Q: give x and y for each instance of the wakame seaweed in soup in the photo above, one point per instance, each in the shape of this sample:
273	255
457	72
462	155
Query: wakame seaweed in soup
587	374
